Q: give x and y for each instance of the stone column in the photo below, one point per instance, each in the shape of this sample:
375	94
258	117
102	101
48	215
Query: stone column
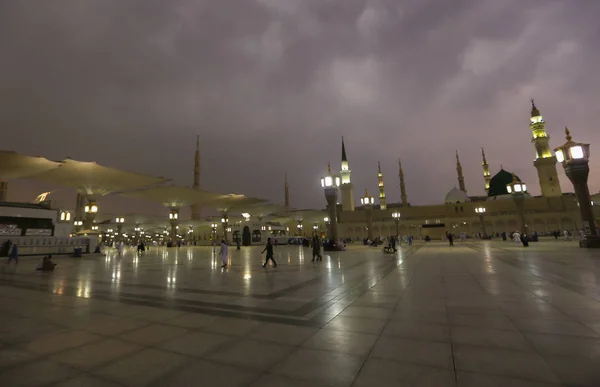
369	221
520	204
331	196
482	223
578	173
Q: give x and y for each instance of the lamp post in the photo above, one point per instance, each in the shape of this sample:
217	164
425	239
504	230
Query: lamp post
119	222
91	209
481	211
213	228
174	220
367	202
225	224
77	224
330	184
574	157
396	215
299	227
518	189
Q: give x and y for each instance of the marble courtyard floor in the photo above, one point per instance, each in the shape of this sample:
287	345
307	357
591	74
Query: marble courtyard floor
481	314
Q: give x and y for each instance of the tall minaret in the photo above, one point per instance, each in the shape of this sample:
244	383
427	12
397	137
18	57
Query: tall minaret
196	208
347	187
382	200
545	162
287	194
486	171
402	186
461	179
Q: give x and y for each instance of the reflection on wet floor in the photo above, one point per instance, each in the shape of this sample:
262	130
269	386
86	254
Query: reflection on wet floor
477	314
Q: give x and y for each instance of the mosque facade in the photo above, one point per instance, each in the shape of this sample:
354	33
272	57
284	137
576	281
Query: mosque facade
552	211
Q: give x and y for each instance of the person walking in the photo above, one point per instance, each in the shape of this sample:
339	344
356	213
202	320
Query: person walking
224	252
238	245
316	248
517	238
269	250
451	239
14	254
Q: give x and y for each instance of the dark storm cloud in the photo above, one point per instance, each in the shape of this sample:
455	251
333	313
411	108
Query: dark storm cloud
272	85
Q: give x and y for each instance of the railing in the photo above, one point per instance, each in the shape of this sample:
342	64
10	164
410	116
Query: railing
48	245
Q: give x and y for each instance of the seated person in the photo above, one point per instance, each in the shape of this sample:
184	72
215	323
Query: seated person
47	264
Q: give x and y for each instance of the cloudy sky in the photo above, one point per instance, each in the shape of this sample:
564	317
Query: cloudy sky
272	85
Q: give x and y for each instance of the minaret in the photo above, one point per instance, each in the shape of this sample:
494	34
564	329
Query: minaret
347	187
196	208
402	186
287	194
461	179
382	200
545	162
486	171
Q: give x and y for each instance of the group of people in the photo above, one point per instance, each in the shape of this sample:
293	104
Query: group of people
11	250
224	253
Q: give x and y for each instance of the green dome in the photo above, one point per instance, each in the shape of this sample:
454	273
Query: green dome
499	182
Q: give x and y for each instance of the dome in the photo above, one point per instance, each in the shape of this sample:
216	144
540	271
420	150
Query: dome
456	196
499	182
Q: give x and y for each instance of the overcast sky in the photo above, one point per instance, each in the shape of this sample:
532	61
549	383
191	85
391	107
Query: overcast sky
272	85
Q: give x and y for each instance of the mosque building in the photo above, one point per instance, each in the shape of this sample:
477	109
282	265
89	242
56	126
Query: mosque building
552	210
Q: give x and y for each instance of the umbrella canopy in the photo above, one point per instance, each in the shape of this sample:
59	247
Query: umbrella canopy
14	165
92	179
173	196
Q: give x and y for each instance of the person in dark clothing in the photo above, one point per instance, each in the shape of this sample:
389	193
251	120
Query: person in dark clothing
5	251
238	245
47	264
393	243
451	239
269	250
316	248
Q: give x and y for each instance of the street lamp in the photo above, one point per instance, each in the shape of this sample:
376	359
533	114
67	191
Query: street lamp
367	202
225	224
300	227
173	220
574	157
518	190
213	228
330	184
119	222
396	215
481	211
90	209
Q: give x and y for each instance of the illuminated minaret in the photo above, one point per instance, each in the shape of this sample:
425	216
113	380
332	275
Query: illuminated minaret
382	201
545	162
461	179
196	208
402	186
347	187
287	194
486	171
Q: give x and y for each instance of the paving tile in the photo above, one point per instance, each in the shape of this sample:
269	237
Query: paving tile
324	367
415	330
387	373
38	373
11	356
482	321
427	353
153	334
419	316
575	371
142	368
513	364
357	324
267	380
282	333
59	342
353	343
366	312
95	354
112	325
192	320
86	380
233	326
491	338
565	345
196	344
252	354
572	328
203	372
469	379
